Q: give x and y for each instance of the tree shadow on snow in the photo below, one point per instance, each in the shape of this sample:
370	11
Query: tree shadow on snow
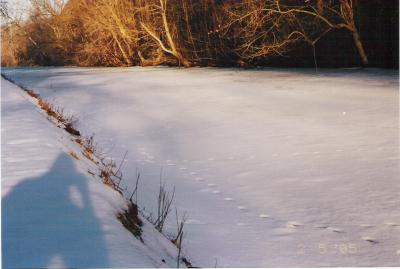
49	221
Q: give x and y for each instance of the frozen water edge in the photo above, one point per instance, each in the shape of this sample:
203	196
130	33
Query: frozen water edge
320	150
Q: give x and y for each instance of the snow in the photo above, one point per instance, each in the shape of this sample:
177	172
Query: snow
54	214
273	167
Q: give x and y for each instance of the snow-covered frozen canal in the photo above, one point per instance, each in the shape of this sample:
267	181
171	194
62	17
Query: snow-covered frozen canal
273	167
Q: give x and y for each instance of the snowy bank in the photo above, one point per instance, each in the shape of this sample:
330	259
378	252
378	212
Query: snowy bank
56	214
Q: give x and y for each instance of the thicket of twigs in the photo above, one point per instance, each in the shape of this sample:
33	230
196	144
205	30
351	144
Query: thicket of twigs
172	32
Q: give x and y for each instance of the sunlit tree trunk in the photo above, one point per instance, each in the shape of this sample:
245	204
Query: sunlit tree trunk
347	11
170	46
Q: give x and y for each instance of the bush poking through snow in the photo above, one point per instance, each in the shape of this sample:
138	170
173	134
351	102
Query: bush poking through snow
90	148
73	155
164	202
135	190
130	219
47	107
177	241
69	126
111	175
33	94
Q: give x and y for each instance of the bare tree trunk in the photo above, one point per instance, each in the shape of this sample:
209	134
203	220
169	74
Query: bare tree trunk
360	48
168	34
347	12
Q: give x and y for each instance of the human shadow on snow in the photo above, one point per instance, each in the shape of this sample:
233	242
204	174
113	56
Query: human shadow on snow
49	221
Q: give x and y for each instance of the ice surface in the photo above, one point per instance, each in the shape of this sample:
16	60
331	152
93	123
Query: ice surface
318	153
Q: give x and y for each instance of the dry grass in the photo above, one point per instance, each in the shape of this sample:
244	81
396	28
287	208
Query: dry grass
130	219
90	147
111	174
57	113
33	94
164	202
74	155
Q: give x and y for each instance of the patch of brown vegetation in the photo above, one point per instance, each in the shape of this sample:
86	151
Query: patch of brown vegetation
33	94
188	263
58	114
111	175
74	155
47	107
131	221
70	129
89	146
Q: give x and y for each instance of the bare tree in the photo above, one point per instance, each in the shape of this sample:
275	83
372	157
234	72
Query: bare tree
269	27
347	14
4	10
111	32
156	23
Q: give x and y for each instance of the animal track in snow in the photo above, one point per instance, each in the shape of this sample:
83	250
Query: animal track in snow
369	239
364	225
264	216
294	224
216	192
336	230
392	224
182	168
211	185
242	208
229	199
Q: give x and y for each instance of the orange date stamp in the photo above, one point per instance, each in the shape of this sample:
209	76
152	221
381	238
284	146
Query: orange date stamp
323	248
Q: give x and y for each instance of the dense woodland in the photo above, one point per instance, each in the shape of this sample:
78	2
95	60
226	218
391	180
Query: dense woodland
246	33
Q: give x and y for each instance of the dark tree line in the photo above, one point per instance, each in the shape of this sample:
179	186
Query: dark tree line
378	23
296	33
